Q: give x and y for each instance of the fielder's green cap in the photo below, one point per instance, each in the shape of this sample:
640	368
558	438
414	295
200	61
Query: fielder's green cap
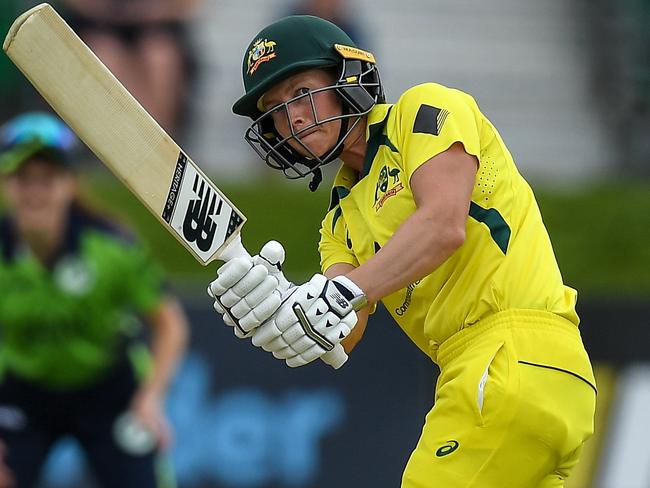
284	48
29	134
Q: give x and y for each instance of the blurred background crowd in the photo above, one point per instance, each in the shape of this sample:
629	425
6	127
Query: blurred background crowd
567	84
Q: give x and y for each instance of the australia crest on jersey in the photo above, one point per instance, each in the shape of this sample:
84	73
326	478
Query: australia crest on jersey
388	185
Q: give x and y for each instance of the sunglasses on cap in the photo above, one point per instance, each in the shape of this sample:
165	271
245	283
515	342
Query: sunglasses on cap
35	133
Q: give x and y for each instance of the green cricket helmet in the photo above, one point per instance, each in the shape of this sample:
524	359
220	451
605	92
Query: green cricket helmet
289	46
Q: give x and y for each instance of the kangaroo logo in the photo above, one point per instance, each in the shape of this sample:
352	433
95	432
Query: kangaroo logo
260	52
198	225
382	192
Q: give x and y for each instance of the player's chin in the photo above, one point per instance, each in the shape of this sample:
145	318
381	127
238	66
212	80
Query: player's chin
312	146
36	221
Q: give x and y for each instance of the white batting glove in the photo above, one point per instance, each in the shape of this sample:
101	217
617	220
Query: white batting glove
312	321
247	292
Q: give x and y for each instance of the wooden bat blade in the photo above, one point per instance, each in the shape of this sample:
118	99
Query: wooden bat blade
106	117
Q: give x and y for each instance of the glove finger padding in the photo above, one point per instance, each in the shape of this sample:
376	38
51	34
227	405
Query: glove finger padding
260	314
302	344
265	289
293	333
285	353
218	308
285	317
229	321
226	318
221	311
335	329
253	278
255	298
240	334
266	333
229	274
276	344
306	357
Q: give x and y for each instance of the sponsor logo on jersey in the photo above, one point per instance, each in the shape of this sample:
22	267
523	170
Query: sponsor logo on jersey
401	310
262	51
74	276
388	185
447	449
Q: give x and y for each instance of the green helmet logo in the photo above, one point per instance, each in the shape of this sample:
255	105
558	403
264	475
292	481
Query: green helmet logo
262	50
285	47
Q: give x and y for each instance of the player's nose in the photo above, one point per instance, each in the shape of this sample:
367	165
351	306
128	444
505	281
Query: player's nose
300	115
297	118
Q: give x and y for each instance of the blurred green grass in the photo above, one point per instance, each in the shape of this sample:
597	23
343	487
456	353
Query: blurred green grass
600	233
601	237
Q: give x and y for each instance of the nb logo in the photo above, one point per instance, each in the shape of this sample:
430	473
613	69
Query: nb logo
448	448
198	225
338	298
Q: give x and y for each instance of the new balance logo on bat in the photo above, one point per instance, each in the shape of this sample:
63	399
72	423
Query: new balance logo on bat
198	224
175	188
197	212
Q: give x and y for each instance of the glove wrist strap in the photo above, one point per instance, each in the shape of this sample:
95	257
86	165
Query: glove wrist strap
351	292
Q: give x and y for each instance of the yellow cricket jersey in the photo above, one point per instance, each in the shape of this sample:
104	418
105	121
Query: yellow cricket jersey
506	261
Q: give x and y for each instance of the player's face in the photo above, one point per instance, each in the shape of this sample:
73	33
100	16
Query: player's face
39	194
301	109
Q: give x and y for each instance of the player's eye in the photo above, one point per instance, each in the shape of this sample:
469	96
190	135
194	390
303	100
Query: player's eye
302	91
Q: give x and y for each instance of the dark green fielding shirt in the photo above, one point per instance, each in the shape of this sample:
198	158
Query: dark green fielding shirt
63	325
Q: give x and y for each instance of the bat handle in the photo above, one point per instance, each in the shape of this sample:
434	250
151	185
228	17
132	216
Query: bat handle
234	249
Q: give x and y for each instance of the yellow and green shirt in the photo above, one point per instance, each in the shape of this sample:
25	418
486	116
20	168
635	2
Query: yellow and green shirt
506	261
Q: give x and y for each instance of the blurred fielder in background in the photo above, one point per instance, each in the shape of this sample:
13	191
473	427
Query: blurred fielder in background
429	215
71	284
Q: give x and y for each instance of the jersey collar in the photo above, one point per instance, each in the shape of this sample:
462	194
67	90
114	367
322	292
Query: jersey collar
376	137
376	115
347	177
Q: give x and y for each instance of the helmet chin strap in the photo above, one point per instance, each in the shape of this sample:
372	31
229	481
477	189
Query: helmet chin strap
316	179
332	154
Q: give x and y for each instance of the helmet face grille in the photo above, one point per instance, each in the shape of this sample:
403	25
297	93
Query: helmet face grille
358	87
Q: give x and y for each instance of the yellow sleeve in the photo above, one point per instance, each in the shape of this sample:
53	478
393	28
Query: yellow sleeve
333	246
430	118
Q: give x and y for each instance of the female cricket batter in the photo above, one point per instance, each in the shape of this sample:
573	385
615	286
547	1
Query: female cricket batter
69	281
429	215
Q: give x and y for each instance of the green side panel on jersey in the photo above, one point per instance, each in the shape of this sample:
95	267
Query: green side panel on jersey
338	193
499	229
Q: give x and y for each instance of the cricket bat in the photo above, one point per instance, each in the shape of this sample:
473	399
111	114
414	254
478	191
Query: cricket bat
122	134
